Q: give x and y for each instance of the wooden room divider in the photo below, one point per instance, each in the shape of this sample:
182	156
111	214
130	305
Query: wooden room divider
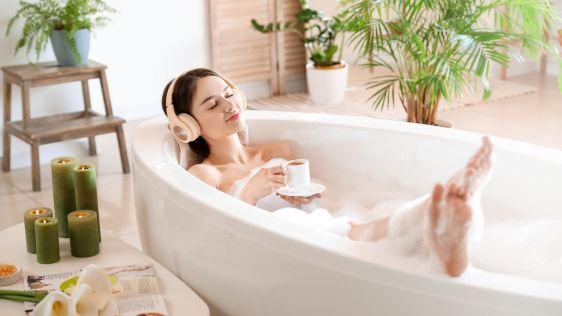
247	56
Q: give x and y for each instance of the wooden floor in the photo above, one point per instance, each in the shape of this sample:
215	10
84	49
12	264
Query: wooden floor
356	101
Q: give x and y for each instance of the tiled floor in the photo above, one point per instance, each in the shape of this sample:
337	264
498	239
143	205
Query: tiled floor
534	118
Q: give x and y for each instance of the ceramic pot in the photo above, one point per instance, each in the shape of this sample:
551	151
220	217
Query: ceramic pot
62	49
327	84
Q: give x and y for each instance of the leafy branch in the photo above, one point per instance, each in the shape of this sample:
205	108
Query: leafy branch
43	17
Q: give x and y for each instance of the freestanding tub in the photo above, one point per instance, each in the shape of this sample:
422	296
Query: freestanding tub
245	261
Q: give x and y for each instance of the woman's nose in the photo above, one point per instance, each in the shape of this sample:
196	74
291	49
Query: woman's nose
229	105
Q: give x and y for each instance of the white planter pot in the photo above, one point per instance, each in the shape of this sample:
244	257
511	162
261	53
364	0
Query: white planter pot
327	85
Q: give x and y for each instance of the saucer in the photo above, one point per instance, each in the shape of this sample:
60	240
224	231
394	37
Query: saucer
313	188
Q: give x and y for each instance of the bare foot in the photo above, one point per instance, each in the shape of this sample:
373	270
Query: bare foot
477	169
449	222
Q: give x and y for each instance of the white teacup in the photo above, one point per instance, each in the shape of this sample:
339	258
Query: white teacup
298	173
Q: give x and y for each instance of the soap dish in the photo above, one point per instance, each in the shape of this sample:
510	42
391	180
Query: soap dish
9	273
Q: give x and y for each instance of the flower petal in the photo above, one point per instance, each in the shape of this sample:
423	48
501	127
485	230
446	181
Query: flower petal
54	304
82	302
94	276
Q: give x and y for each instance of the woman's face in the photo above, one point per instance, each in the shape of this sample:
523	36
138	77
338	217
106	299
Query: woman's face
217	108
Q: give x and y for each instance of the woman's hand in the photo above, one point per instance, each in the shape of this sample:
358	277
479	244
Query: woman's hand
263	183
298	200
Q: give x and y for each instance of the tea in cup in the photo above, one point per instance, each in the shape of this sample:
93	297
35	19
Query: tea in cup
298	173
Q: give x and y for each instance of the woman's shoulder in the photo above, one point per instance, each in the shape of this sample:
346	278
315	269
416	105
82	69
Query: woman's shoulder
208	173
276	150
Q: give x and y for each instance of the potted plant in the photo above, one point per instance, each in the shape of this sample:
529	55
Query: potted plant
326	73
428	50
66	23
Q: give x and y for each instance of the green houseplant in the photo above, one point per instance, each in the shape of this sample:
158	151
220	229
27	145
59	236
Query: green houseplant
316	31
427	50
326	72
66	23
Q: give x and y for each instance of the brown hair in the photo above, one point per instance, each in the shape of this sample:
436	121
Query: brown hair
182	99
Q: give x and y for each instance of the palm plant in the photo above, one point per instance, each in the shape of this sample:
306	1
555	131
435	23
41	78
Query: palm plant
434	49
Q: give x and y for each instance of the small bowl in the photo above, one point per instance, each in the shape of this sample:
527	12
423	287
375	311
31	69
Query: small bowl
9	273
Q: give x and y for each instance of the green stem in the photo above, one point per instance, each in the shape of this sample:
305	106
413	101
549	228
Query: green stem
23	296
21	293
17	298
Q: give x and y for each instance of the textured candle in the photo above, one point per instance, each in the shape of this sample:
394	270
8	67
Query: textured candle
85	189
29	218
84	235
63	190
47	240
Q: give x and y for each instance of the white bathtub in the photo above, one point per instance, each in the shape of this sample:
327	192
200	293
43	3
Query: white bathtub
245	261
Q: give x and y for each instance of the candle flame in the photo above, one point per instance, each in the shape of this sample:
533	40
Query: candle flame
83	167
38	211
43	220
63	161
81	215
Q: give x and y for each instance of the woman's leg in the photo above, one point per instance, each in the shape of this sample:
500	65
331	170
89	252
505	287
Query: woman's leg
447	214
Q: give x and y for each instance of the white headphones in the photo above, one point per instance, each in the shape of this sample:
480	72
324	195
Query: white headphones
185	128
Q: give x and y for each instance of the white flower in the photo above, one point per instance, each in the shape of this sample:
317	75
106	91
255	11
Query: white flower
82	302
54	304
94	276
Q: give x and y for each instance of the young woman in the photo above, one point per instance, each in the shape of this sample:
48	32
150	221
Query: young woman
438	223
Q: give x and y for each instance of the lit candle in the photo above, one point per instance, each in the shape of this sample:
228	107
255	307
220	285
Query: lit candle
84	234
47	240
29	218
63	190
85	189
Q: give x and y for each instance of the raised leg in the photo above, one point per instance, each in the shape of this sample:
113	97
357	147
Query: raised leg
448	212
122	149
35	171
449	222
5	135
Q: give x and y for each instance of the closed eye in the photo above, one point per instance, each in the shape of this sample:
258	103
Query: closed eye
229	95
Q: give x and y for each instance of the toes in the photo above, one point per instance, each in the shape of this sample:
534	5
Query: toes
437	194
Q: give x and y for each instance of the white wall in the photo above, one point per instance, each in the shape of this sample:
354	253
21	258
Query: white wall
146	44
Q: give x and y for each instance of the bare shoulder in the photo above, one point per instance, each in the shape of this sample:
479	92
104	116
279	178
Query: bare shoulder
277	150
206	173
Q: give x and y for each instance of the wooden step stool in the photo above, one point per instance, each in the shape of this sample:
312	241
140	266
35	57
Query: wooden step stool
59	127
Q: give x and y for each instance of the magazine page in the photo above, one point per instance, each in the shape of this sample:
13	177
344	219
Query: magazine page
134	287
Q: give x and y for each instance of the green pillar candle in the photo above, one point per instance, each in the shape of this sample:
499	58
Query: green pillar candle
29	218
63	190
47	239
84	234
85	189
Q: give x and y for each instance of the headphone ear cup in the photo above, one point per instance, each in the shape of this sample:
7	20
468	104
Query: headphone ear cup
192	129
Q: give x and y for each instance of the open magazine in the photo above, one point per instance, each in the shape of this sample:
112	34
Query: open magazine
134	287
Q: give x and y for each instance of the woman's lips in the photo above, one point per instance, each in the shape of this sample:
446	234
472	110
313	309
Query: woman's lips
234	117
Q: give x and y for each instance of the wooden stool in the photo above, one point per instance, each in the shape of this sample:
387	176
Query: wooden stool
59	127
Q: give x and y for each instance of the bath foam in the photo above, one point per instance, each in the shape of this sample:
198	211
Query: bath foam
526	249
530	249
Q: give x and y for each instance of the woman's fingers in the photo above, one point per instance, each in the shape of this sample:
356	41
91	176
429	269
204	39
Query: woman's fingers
277	170
279	179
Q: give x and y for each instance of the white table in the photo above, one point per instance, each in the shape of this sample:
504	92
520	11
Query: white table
180	299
